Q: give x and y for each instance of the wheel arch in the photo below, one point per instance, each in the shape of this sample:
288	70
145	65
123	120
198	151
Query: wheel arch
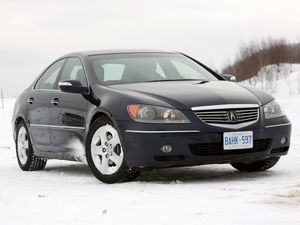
99	113
16	122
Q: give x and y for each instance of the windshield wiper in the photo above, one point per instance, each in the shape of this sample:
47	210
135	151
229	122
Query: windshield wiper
203	82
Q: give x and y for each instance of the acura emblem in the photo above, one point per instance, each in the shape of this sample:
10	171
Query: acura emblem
232	116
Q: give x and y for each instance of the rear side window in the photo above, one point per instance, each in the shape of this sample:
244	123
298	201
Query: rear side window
49	79
73	70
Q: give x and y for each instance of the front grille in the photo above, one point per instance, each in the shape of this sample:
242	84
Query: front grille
228	116
214	149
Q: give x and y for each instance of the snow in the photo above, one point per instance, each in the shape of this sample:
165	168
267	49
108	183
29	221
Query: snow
281	80
67	192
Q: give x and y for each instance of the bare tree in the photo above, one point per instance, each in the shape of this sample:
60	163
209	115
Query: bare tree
255	55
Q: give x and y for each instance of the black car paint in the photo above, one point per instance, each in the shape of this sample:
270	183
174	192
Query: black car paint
80	110
195	94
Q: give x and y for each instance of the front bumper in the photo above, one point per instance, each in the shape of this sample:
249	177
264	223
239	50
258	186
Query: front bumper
198	143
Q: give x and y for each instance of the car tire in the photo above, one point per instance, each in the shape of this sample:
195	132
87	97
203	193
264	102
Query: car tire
105	155
255	166
24	151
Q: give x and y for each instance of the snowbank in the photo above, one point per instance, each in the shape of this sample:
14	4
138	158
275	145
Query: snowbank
283	82
280	80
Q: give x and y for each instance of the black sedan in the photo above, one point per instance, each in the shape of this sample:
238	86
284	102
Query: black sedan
122	111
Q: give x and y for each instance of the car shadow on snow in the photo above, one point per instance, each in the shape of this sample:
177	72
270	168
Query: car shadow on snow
70	169
196	174
211	173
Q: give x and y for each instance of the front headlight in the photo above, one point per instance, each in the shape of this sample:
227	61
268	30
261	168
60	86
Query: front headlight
155	114
273	110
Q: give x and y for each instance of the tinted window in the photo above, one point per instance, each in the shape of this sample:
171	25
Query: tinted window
109	71
186	70
146	67
113	72
160	71
49	79
73	70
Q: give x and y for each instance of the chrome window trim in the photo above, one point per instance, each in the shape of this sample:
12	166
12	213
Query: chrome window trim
162	131
227	106
58	127
278	125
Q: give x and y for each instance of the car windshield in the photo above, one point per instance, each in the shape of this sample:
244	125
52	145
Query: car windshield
125	68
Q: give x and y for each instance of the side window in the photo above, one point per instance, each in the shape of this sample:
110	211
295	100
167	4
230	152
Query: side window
73	70
49	78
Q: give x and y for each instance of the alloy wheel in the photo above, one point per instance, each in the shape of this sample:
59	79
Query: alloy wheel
106	150
23	145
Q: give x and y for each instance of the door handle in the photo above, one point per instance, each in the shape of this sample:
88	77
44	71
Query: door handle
30	100
54	101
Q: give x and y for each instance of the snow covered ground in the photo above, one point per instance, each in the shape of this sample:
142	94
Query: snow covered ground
67	193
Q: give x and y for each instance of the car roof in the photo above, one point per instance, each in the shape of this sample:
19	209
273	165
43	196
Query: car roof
117	51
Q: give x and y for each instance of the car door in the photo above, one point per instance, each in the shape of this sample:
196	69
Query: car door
68	113
38	106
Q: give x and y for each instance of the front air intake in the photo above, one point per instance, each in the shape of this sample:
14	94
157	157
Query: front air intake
216	149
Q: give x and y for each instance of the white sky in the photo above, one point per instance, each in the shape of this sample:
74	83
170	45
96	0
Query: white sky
33	32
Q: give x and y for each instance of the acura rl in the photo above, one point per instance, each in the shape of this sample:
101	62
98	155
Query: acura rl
122	111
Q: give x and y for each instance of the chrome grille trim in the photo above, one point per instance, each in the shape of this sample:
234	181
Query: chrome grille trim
227	106
217	116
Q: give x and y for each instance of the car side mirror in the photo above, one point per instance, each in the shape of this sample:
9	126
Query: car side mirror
229	77
72	86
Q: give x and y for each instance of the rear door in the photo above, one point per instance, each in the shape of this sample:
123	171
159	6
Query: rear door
38	104
68	113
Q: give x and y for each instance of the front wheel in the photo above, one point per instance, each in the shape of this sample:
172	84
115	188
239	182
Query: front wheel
105	155
255	166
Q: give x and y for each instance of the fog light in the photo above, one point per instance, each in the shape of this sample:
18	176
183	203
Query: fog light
283	140
166	148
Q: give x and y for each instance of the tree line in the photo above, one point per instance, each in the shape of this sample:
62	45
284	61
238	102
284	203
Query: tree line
253	56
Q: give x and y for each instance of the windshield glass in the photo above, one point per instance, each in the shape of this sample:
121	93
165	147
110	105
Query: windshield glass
147	67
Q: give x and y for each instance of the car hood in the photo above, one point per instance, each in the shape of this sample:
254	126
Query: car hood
188	94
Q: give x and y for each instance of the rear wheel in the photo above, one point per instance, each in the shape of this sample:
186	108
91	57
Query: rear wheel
105	155
260	165
25	155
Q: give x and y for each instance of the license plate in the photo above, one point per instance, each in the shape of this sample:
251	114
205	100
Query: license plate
238	140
